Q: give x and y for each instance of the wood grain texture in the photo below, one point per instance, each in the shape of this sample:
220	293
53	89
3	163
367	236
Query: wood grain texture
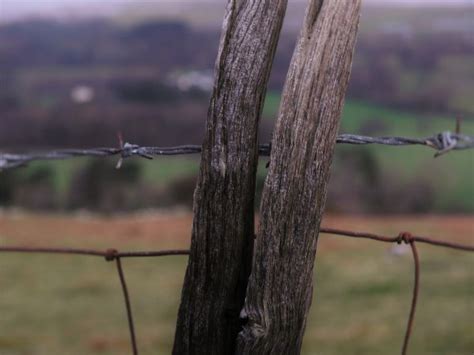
280	286
223	225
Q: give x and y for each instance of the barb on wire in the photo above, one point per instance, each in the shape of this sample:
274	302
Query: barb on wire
442	143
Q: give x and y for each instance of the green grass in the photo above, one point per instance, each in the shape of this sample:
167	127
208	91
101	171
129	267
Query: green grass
271	105
164	169
62	172
73	305
160	171
362	299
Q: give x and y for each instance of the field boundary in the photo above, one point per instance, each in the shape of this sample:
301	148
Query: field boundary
115	255
443	142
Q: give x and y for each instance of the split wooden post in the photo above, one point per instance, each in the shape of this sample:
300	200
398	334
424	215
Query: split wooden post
223	225
280	286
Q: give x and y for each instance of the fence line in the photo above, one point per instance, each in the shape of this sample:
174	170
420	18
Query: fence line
109	254
442	142
115	255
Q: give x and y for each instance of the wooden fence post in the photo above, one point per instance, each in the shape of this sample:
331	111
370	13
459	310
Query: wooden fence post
280	286
223	225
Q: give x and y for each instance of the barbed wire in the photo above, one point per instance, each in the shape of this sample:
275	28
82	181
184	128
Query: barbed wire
442	142
115	255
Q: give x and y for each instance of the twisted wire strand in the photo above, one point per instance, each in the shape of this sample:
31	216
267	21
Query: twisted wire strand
442	142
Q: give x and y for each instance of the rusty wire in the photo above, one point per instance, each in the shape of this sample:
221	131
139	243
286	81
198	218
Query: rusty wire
109	255
399	239
92	252
114	255
128	306
407	238
414	299
442	142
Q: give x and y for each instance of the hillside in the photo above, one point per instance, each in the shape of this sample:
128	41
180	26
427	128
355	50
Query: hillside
148	74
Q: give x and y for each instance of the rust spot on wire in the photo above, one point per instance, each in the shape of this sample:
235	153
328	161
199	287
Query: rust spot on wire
405	237
111	254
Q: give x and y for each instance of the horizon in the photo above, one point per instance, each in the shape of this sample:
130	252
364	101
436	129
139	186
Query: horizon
14	10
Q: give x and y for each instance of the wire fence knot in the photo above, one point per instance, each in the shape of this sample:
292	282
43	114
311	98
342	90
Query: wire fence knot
129	150
111	254
447	141
405	237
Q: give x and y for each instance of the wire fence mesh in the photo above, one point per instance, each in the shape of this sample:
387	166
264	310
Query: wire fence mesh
115	255
442	143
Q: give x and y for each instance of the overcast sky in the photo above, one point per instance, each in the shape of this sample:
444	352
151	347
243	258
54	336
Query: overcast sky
13	9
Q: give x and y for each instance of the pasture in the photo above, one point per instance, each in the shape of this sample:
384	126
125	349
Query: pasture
73	304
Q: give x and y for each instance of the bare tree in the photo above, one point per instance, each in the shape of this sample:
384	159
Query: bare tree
223	226
280	286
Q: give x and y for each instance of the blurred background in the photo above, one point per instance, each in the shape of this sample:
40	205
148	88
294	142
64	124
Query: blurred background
75	73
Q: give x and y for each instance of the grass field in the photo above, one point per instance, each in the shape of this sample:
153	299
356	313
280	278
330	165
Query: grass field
73	305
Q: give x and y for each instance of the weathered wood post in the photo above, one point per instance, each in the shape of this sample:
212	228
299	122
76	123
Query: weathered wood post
223	226
280	286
